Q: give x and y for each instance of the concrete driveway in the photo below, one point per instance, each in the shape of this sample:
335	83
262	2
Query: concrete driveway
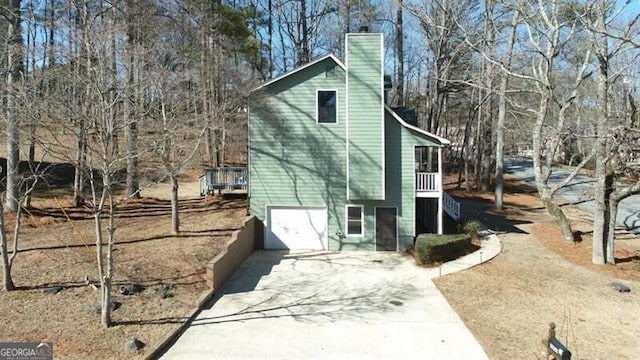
319	305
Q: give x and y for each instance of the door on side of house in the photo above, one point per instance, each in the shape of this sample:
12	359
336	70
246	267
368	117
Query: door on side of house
296	228
386	228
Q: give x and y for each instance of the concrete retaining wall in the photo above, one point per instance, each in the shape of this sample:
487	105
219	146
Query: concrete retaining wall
238	249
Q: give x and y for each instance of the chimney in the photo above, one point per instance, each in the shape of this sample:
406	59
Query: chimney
365	116
388	85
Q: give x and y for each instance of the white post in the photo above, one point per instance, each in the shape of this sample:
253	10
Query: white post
440	191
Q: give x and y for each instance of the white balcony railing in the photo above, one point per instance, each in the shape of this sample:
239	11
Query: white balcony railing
428	182
451	207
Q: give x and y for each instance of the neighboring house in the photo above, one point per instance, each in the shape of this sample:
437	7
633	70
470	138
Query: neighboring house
332	167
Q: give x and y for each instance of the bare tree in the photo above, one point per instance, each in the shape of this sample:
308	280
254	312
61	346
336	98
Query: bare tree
439	21
610	133
502	114
9	255
399	60
175	156
138	17
548	84
548	34
14	73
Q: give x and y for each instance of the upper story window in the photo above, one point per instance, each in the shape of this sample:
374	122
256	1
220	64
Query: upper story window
327	104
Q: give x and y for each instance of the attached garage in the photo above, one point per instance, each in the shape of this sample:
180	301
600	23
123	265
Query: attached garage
296	228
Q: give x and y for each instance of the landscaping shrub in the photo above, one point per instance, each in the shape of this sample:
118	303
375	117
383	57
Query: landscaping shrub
431	248
471	228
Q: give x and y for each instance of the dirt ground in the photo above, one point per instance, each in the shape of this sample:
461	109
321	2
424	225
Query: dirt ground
509	302
168	270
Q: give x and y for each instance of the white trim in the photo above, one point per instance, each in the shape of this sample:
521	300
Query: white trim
346	112
414	197
346	223
382	121
375	226
442	141
318	108
440	202
300	68
249	155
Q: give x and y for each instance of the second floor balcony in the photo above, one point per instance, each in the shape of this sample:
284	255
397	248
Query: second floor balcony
428	184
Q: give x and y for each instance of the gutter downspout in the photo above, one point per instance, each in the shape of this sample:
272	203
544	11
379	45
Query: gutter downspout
440	192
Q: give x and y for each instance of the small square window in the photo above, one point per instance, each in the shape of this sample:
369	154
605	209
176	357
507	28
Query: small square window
327	107
355	220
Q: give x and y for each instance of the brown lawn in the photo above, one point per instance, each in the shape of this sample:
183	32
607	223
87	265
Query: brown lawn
537	279
169	269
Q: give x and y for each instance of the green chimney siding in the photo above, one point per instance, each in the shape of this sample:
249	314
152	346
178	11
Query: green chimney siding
365	106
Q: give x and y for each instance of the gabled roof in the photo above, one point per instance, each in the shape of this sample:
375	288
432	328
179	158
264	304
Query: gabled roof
300	68
442	141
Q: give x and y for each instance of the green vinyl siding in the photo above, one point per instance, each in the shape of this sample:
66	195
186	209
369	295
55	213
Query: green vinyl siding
364	115
400	175
400	144
295	161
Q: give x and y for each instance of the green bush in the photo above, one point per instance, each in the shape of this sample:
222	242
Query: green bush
471	228
431	248
423	251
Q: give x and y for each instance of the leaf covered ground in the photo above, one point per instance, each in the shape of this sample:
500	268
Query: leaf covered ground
538	278
56	250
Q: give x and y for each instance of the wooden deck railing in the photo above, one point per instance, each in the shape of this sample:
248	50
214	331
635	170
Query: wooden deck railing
223	178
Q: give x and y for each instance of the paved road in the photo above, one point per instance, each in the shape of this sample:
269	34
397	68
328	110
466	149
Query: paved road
319	305
579	192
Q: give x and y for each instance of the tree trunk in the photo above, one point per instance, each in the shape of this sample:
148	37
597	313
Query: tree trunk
32	164
175	219
7	281
105	313
131	136
558	217
502	114
85	108
487	156
270	31
601	210
15	71
615	198
305	56
464	154
131	144
131	104
107	283
399	93
478	142
611	233
81	159
545	196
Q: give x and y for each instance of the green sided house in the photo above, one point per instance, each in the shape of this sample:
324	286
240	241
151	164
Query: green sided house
332	167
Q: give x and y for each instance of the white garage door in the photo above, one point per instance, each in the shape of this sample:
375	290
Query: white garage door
296	228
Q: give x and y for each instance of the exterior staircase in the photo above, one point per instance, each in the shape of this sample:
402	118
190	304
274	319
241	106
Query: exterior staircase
451	206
